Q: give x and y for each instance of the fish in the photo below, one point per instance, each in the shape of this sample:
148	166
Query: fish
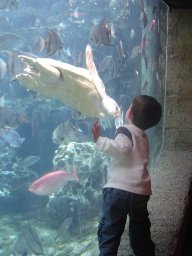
52	182
76	13
28	161
14	64
101	34
153	25
145	19
143	15
2	101
63	229
5	23
39	44
53	42
11	137
10	118
9	36
145	85
105	63
65	133
144	43
154	11
28	243
3	68
37	23
113	3
132	33
135	52
120	50
9	4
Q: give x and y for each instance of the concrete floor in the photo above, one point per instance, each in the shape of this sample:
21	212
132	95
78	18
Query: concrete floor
187	246
171	180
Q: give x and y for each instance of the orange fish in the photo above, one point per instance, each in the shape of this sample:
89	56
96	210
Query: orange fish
52	182
153	25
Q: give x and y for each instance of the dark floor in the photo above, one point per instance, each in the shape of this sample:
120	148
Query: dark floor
187	248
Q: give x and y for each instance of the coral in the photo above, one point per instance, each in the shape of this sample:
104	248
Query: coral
76	197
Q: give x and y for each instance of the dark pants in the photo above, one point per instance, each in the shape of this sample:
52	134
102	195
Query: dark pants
117	204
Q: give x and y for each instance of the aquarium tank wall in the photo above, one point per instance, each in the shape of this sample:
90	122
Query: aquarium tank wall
58	61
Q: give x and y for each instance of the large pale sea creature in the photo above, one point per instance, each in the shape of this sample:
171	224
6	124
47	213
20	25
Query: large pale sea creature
79	88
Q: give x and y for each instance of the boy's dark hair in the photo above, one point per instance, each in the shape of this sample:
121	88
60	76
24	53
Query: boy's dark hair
146	111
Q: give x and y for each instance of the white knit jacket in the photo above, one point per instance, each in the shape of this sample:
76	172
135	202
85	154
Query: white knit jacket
129	159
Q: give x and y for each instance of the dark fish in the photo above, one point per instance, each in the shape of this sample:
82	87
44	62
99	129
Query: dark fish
53	42
145	19
101	34
9	118
145	85
143	52
145	61
143	45
143	15
39	44
28	243
142	5
154	11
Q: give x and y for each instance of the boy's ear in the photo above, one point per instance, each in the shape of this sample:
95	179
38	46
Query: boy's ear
130	113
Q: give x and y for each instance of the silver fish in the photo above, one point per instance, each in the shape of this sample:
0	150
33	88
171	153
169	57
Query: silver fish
65	133
28	161
3	68
11	137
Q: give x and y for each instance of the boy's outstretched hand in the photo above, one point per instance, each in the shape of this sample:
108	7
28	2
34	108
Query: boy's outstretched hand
96	131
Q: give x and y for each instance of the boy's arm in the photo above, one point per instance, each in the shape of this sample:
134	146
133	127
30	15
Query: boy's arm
122	144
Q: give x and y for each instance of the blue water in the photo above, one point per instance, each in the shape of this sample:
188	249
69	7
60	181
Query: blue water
132	62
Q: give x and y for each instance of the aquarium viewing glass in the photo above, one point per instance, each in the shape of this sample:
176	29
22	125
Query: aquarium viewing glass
46	120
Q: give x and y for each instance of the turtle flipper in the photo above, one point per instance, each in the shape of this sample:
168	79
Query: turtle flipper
98	83
27	60
90	61
39	70
27	80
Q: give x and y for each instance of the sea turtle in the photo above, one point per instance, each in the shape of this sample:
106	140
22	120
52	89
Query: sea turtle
80	88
